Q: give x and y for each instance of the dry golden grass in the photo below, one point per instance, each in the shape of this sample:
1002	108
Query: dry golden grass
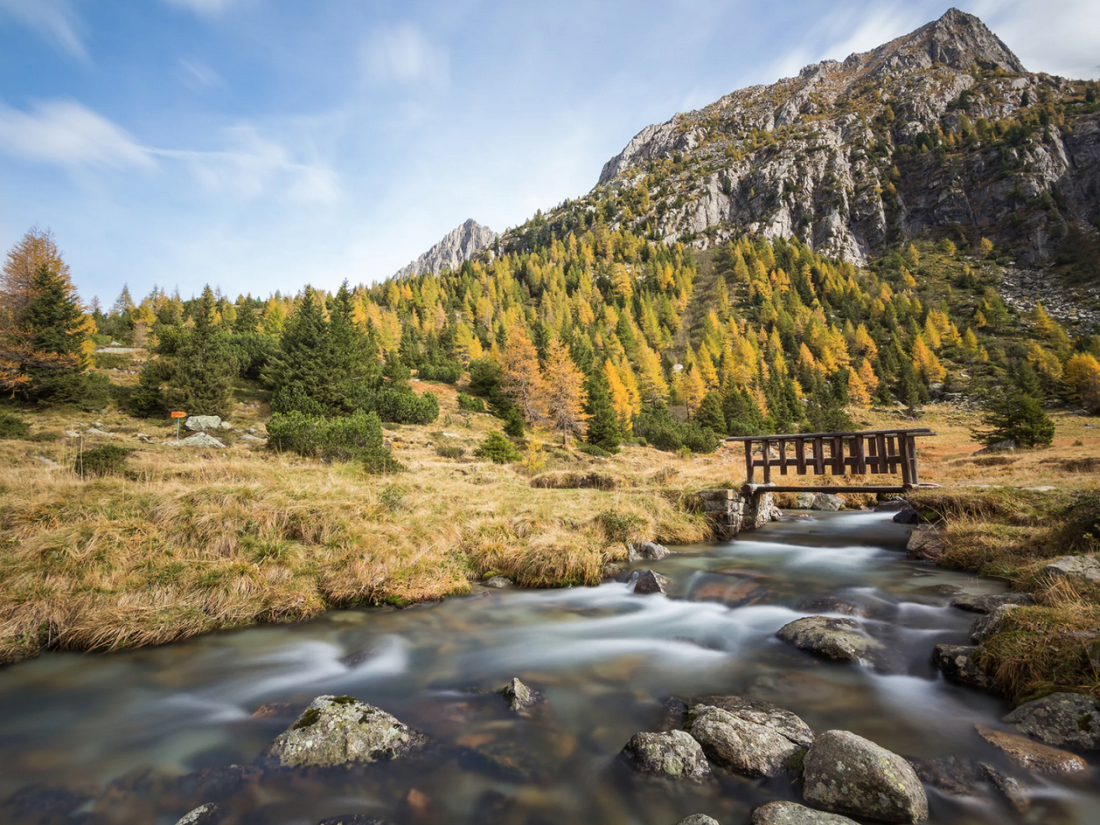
190	541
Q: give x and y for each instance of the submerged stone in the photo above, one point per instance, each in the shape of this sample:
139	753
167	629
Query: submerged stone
791	813
1032	755
646	582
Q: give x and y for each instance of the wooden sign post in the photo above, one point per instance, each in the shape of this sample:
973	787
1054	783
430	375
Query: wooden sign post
179	416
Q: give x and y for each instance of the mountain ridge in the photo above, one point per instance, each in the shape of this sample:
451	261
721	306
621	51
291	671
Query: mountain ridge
455	248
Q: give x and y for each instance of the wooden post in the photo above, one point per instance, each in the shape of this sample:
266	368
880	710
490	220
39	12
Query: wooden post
800	458
906	469
767	456
748	461
782	457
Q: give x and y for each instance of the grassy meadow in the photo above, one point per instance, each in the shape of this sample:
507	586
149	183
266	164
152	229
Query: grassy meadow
183	541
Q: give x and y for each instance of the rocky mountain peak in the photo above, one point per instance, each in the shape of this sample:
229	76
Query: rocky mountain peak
457	246
956	39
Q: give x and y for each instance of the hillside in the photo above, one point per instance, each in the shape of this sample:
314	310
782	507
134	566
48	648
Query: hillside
940	133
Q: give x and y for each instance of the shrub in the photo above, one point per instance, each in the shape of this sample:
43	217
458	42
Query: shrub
621	527
12	426
101	461
112	361
347	438
471	403
448	372
658	429
397	406
449	451
592	450
498	449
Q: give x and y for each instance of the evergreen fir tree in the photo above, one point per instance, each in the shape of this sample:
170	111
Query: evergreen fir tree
200	373
603	425
710	413
301	375
741	413
1012	415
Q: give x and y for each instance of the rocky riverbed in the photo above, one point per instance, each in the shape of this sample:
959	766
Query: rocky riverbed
695	702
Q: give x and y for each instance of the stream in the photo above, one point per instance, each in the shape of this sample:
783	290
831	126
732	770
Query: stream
118	731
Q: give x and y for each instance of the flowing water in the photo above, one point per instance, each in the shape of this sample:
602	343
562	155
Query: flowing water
123	728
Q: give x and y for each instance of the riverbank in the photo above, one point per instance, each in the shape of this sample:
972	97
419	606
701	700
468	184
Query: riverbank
181	541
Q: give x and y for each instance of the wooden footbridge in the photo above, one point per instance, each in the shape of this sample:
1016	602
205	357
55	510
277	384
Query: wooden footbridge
878	452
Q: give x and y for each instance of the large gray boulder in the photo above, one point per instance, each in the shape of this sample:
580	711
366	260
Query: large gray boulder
1071	719
1031	755
791	813
828	502
341	730
841	640
673	754
758	712
848	774
201	440
1085	569
201	423
742	746
646	550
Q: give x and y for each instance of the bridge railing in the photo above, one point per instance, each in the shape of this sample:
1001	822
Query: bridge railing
876	452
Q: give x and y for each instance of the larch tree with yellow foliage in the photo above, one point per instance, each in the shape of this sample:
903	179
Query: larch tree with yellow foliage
522	376
563	395
1082	377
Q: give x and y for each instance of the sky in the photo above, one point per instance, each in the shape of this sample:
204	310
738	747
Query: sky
260	145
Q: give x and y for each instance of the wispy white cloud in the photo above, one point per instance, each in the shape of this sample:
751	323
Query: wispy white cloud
68	134
56	20
252	166
198	75
1055	36
203	7
404	55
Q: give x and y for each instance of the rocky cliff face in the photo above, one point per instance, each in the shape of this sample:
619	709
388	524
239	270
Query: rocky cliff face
939	132
457	246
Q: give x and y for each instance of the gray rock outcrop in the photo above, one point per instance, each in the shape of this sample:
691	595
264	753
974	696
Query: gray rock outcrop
791	813
200	440
841	640
1063	719
456	247
1085	569
848	774
672	754
341	730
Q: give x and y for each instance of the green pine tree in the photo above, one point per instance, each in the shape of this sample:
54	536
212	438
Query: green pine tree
301	374
51	339
1013	415
710	413
603	424
201	371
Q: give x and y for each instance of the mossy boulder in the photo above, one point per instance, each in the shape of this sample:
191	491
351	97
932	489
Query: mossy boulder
791	813
841	640
848	774
1061	719
341	731
740	745
672	754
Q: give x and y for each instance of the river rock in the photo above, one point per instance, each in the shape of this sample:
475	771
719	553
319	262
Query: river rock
1071	719
353	819
736	589
804	501
841	640
848	774
646	581
341	730
216	784
891	505
43	803
673	753
742	746
958	776
1084	569
791	813
210	814
520	697
926	543
957	663
907	515
763	713
1030	754
1011	789
698	819
832	604
987	604
828	502
201	440
498	582
991	624
646	551
198	423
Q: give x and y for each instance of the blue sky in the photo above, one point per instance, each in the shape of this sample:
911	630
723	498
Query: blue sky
264	144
